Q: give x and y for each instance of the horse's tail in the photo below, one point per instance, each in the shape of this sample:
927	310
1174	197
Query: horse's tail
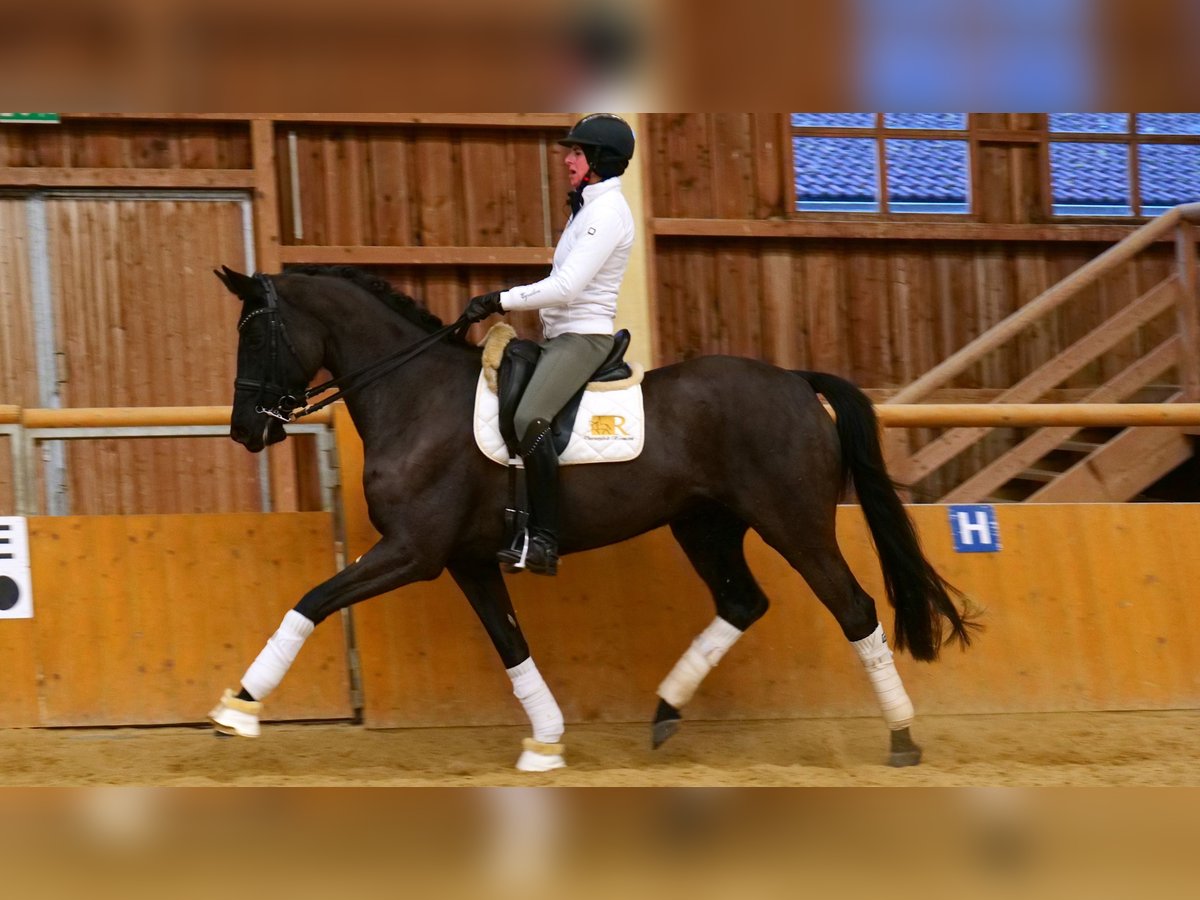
920	596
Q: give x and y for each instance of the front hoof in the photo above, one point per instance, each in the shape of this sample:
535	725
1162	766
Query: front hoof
903	751
236	718
667	720
540	757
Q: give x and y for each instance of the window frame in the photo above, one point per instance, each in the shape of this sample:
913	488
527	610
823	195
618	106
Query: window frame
1132	139
880	133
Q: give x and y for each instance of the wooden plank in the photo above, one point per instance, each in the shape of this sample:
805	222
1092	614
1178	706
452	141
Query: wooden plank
1125	465
1051	299
939	452
1011	464
137	416
1188	308
417	256
390	195
482	120
1096	622
872	229
1024	415
124	177
131	632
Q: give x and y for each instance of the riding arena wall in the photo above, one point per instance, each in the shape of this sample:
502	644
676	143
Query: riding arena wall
171	558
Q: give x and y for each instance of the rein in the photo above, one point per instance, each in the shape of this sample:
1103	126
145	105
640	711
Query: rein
287	407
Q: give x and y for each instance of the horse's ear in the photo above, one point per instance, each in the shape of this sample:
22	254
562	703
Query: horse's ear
242	286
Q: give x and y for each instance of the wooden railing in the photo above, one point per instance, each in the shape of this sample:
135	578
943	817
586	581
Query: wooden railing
1179	352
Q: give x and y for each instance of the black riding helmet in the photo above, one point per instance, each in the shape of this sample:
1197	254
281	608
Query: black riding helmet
607	142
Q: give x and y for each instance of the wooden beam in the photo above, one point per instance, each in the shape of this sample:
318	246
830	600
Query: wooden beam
478	120
874	229
47	177
139	416
1026	415
1041	305
416	256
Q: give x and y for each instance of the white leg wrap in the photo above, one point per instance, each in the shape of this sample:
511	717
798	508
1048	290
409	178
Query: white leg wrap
277	657
697	661
876	658
544	714
542	752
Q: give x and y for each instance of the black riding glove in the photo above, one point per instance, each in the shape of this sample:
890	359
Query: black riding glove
483	306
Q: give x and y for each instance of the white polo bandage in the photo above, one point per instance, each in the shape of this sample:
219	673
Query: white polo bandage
277	656
876	658
540	706
697	661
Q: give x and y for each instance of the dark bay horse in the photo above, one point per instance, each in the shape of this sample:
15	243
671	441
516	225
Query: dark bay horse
731	444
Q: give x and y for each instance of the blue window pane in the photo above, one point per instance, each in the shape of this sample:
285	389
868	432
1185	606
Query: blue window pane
836	174
1090	123
940	121
927	176
1169	174
1168	123
833	120
1090	179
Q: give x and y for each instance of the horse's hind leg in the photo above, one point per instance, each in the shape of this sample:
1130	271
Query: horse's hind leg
712	539
485	589
822	565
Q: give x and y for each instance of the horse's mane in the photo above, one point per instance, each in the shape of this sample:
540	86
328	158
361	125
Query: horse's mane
381	290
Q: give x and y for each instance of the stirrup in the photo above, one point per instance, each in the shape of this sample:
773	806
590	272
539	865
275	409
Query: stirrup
512	559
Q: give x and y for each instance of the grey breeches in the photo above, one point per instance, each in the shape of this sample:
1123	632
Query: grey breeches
566	363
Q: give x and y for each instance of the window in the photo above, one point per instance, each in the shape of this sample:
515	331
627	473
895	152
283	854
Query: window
881	162
1123	164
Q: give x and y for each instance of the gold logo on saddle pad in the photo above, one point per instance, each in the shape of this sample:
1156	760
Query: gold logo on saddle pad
608	426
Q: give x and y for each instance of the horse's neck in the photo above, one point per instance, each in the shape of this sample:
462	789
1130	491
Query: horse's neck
373	334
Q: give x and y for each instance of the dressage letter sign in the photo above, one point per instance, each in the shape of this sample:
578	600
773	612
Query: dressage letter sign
16	589
974	529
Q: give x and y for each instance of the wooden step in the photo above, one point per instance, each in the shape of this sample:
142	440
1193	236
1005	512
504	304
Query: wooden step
1116	473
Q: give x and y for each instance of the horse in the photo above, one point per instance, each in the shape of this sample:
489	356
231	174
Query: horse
731	444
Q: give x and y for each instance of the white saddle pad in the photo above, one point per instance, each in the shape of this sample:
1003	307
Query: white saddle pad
610	426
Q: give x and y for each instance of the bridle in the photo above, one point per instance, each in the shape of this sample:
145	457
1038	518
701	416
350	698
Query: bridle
287	407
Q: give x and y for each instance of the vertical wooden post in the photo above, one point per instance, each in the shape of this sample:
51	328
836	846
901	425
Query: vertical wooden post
636	310
1188	310
284	494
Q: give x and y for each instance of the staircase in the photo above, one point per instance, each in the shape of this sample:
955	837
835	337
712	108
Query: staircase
1069	463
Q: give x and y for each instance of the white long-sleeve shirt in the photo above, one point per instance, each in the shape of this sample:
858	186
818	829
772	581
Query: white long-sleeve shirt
580	293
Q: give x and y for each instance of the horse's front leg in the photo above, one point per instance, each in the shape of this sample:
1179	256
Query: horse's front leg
485	588
386	566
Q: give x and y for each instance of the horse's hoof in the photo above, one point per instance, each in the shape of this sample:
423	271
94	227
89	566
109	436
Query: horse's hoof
538	756
221	734
232	716
667	720
904	752
530	761
905	758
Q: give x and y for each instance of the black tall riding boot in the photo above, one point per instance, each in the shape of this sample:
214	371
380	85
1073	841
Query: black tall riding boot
541	480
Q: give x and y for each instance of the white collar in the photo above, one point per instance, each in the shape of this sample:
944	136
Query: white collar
591	191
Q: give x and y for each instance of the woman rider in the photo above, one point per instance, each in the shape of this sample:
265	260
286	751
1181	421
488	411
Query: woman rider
577	303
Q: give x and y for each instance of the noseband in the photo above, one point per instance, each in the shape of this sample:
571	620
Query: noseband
288	401
288	407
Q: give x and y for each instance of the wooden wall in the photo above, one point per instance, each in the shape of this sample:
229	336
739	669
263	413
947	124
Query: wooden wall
144	620
878	299
1086	607
450	205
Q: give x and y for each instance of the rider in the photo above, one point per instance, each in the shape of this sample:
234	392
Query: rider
578	302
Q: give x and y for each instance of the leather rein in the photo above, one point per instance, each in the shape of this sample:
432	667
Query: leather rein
290	404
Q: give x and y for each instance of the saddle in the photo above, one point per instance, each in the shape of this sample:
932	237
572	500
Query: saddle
516	369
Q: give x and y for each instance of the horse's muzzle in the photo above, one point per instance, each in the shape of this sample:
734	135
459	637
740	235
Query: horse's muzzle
262	431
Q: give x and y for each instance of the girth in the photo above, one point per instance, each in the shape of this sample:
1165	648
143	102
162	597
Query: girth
516	369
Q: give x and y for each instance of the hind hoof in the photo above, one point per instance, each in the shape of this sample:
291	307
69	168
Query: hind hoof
903	751
667	720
